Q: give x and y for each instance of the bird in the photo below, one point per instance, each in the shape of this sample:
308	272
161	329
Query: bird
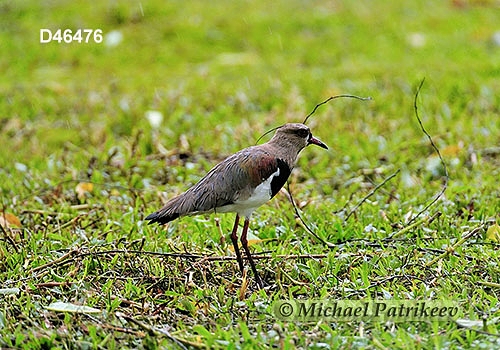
241	183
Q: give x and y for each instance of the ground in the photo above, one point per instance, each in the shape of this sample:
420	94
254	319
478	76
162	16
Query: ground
97	135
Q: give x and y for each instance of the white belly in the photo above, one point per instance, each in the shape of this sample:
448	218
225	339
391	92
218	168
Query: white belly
260	195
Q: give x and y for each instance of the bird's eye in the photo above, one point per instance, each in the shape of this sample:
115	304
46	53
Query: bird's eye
303	133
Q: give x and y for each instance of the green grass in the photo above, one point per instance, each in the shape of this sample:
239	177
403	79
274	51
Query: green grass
222	74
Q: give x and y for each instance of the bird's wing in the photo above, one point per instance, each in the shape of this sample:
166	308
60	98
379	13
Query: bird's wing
234	179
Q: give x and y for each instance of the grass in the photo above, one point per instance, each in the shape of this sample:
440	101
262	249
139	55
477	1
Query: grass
82	166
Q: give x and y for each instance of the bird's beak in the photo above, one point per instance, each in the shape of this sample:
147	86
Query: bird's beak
317	142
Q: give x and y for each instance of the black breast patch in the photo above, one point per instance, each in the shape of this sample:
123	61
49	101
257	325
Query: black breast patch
278	181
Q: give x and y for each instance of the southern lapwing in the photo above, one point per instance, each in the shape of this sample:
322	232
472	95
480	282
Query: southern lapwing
242	182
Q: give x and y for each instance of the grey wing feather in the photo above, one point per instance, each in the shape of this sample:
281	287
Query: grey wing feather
232	179
228	181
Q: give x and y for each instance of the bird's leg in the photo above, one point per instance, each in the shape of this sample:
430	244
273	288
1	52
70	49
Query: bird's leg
234	238
244	243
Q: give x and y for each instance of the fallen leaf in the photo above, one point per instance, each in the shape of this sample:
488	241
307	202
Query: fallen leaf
60	306
155	118
493	233
452	150
9	291
252	242
8	220
463	322
83	188
244	286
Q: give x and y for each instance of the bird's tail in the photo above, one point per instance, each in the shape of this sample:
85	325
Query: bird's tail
161	218
176	207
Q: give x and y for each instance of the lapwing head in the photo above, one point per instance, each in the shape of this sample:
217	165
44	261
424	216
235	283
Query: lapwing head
296	136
